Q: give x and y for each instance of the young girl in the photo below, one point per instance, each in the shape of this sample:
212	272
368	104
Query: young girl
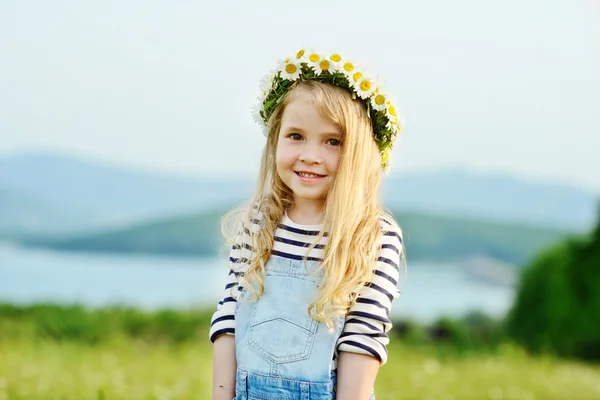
315	262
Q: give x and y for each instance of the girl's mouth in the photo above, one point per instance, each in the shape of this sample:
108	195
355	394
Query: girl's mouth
308	176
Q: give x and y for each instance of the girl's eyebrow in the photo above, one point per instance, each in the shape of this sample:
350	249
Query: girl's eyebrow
293	128
300	130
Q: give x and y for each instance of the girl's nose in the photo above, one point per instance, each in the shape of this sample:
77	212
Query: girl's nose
310	155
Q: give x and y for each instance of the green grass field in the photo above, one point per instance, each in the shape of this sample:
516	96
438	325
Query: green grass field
125	369
71	353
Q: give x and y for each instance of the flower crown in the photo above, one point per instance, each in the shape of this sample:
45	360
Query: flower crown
333	69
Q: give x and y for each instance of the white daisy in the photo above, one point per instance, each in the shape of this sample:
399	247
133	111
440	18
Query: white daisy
347	68
386	160
301	55
385	154
390	111
354	77
364	87
392	126
282	63
265	83
378	99
336	60
263	95
291	70
313	59
258	107
324	64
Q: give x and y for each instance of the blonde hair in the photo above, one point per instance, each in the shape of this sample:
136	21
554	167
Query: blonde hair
352	208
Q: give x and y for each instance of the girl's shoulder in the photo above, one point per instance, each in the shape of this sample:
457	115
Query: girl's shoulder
254	217
242	221
388	223
390	228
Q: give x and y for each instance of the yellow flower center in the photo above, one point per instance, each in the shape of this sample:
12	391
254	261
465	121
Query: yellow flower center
300	54
335	58
365	85
379	99
314	58
324	65
290	68
357	76
349	67
385	156
287	60
392	110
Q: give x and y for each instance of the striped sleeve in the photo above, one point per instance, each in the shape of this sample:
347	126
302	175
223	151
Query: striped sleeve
368	320
223	319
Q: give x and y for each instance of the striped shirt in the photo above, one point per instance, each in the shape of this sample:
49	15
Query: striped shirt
367	322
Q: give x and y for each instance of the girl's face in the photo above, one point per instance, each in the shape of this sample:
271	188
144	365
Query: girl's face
308	151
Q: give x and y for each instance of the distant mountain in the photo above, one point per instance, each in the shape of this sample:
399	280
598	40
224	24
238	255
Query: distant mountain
493	197
111	195
105	195
21	215
196	234
427	237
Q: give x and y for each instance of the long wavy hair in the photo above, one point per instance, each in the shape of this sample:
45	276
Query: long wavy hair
352	208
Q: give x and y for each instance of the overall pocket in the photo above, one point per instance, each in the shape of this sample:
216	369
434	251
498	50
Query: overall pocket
281	330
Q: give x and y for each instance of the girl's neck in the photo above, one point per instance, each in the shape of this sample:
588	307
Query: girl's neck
306	214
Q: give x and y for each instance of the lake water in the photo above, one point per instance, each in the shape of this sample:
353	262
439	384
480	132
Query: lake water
152	282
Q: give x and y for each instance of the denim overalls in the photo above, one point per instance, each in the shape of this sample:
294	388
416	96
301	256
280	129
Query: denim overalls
282	353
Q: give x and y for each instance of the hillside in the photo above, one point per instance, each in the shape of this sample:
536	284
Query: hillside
22	215
110	195
492	197
188	235
427	237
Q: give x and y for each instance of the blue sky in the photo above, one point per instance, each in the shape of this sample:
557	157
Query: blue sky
510	85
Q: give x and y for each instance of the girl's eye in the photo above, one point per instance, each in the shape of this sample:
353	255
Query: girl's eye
295	136
334	142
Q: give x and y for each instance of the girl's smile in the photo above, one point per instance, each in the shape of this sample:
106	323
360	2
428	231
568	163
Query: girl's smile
306	176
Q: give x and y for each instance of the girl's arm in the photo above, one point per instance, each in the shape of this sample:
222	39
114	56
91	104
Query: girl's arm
224	368
222	334
362	346
356	376
222	327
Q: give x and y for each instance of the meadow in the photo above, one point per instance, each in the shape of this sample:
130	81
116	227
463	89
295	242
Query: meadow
52	352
